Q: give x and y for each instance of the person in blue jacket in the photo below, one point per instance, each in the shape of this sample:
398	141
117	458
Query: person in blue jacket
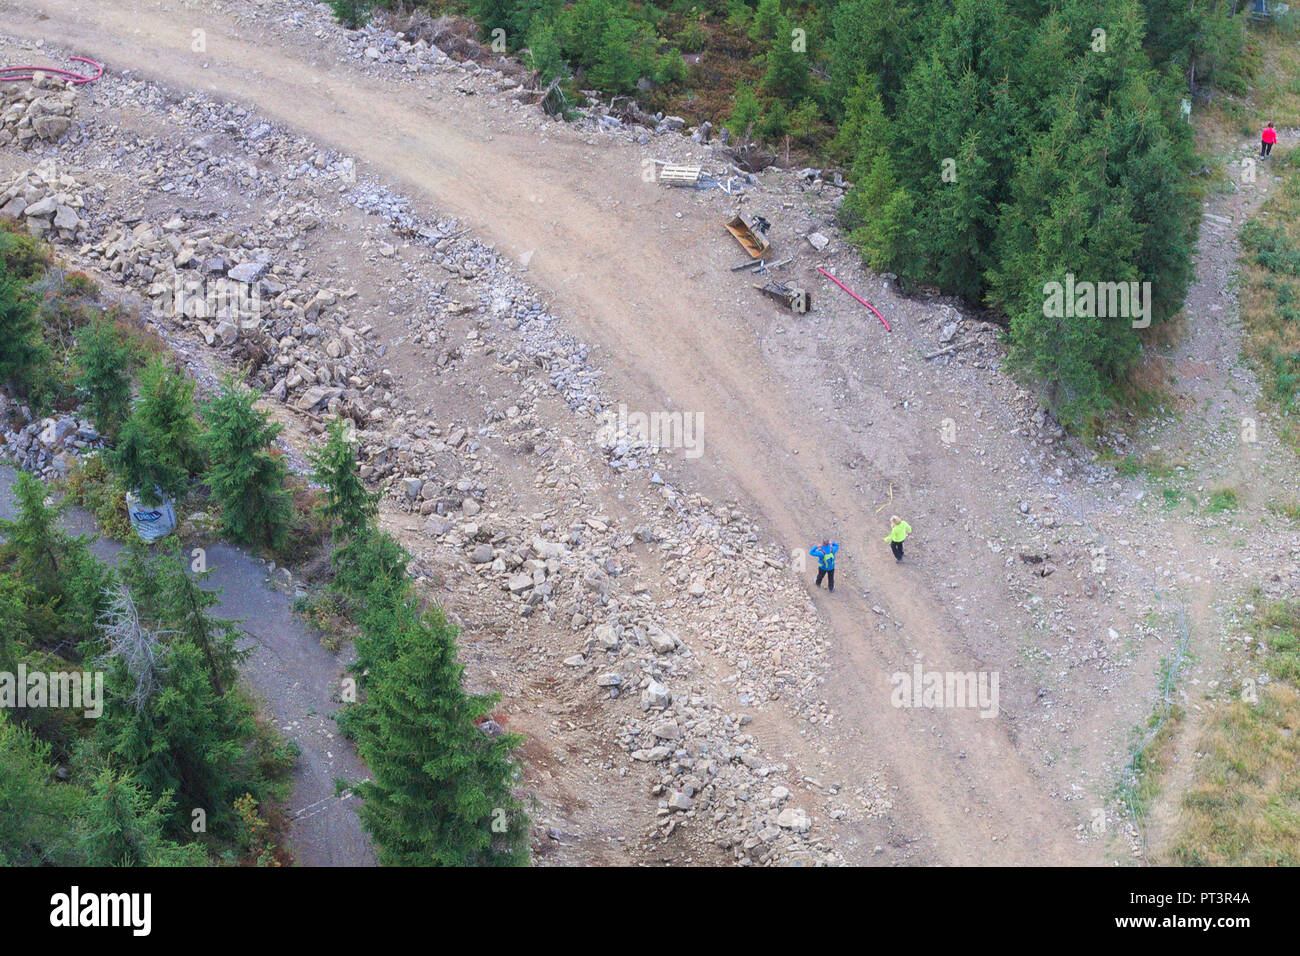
825	556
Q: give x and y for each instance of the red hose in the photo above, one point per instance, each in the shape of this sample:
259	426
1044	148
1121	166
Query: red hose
856	296
29	72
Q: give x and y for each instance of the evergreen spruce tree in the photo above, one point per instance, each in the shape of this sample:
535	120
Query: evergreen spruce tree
182	737
14	635
787	73
106	360
352	14
34	813
165	591
1087	232
879	39
173	714
122	825
24	256
187	608
33	540
624	53
348	505
166	408
746	111
964	215
1101	196
24	356
370	569
766	18
1154	150
157	450
1046	65
959	132
544	53
247	480
515	17
877	211
62	580
1204	41
142	464
441	788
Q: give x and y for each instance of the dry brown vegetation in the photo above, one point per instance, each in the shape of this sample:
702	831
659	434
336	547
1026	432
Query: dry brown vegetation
1244	809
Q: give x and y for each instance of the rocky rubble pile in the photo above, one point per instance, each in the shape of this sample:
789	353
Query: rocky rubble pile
47	201
534	336
581	569
242	288
638	652
43	446
39	111
963	340
705	769
230	289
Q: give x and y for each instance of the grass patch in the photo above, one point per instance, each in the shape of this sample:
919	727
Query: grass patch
1154	466
1223	499
307	535
1149	388
331	614
1276	629
95	487
1152	743
275	757
1141	783
1274	89
1244	809
1270	304
1270	262
1286	509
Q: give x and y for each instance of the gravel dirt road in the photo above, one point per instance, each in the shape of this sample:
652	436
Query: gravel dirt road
815	424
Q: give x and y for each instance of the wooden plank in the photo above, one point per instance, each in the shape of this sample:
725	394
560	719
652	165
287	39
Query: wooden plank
680	175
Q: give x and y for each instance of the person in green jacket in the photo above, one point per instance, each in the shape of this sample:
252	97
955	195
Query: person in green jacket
898	532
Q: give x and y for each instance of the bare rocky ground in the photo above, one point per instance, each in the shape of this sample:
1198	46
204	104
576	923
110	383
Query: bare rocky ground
686	695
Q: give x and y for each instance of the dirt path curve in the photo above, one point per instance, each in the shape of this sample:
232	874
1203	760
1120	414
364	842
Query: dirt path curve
294	677
608	250
1213	340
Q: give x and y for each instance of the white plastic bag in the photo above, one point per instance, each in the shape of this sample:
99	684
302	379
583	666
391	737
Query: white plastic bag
151	522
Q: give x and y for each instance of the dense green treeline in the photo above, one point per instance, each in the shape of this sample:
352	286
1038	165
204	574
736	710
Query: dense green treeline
995	146
169	765
160	761
174	769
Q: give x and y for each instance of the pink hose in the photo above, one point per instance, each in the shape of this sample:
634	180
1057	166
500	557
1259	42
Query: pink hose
856	296
29	72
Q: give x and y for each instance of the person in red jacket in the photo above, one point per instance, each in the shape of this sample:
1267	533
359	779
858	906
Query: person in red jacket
1267	140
